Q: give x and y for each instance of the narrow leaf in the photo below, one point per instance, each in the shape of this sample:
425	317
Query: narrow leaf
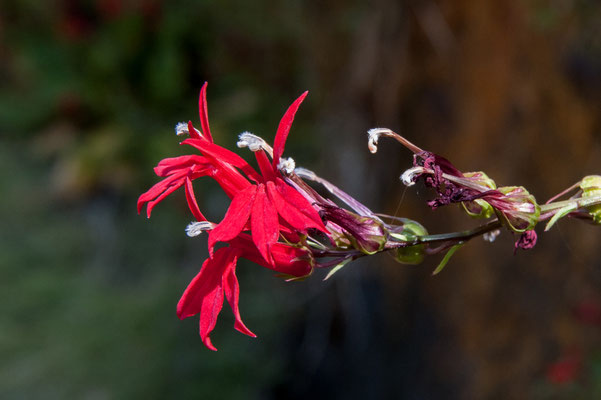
337	268
562	212
447	257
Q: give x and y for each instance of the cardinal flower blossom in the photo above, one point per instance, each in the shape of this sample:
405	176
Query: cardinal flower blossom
262	203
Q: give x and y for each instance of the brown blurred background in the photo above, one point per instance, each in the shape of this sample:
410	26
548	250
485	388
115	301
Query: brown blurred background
89	94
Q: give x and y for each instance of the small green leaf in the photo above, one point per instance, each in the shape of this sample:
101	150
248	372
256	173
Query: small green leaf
562	212
337	268
447	257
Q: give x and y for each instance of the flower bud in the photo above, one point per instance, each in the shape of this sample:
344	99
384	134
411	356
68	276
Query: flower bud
479	208
365	234
411	254
591	186
516	208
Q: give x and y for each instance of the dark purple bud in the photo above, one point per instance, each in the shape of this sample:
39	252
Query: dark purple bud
366	234
526	241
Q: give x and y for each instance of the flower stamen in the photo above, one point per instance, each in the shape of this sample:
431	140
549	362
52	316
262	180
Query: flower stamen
197	227
254	143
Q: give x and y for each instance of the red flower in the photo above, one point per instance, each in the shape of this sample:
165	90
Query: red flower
270	206
205	293
263	204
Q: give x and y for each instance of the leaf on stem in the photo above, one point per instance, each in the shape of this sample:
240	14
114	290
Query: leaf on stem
447	257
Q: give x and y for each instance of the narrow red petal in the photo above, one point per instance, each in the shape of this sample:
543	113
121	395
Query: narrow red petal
264	224
204	294
265	166
168	166
284	129
232	293
204	115
159	191
193	132
235	218
212	304
191	199
222	156
296	201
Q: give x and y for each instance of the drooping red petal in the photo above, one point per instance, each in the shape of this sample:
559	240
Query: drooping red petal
235	218
298	202
232	293
204	294
203	112
191	199
159	191
284	129
264	224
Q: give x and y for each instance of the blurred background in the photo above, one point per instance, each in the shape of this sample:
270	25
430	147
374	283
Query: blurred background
89	94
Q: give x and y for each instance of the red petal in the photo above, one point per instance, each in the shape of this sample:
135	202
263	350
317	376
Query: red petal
264	224
294	208
193	132
284	129
223	157
264	165
232	293
204	115
288	259
204	294
169	166
191	199
235	218
159	191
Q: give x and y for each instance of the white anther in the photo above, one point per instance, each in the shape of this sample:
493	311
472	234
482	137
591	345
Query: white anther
287	165
408	176
492	235
254	143
197	227
181	129
373	136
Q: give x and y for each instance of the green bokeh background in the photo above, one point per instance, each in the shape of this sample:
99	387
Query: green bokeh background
89	94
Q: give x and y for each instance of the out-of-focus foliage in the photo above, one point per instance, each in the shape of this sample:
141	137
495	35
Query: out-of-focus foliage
89	94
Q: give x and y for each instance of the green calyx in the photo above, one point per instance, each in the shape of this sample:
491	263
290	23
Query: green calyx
591	186
412	254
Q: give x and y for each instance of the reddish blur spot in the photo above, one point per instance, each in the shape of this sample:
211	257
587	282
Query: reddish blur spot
564	371
588	312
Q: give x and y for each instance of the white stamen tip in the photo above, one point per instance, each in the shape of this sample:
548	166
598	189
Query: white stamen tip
253	142
408	176
197	227
181	129
373	136
492	235
287	165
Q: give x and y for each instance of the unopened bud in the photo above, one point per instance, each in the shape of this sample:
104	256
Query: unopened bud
591	186
515	207
479	208
413	254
